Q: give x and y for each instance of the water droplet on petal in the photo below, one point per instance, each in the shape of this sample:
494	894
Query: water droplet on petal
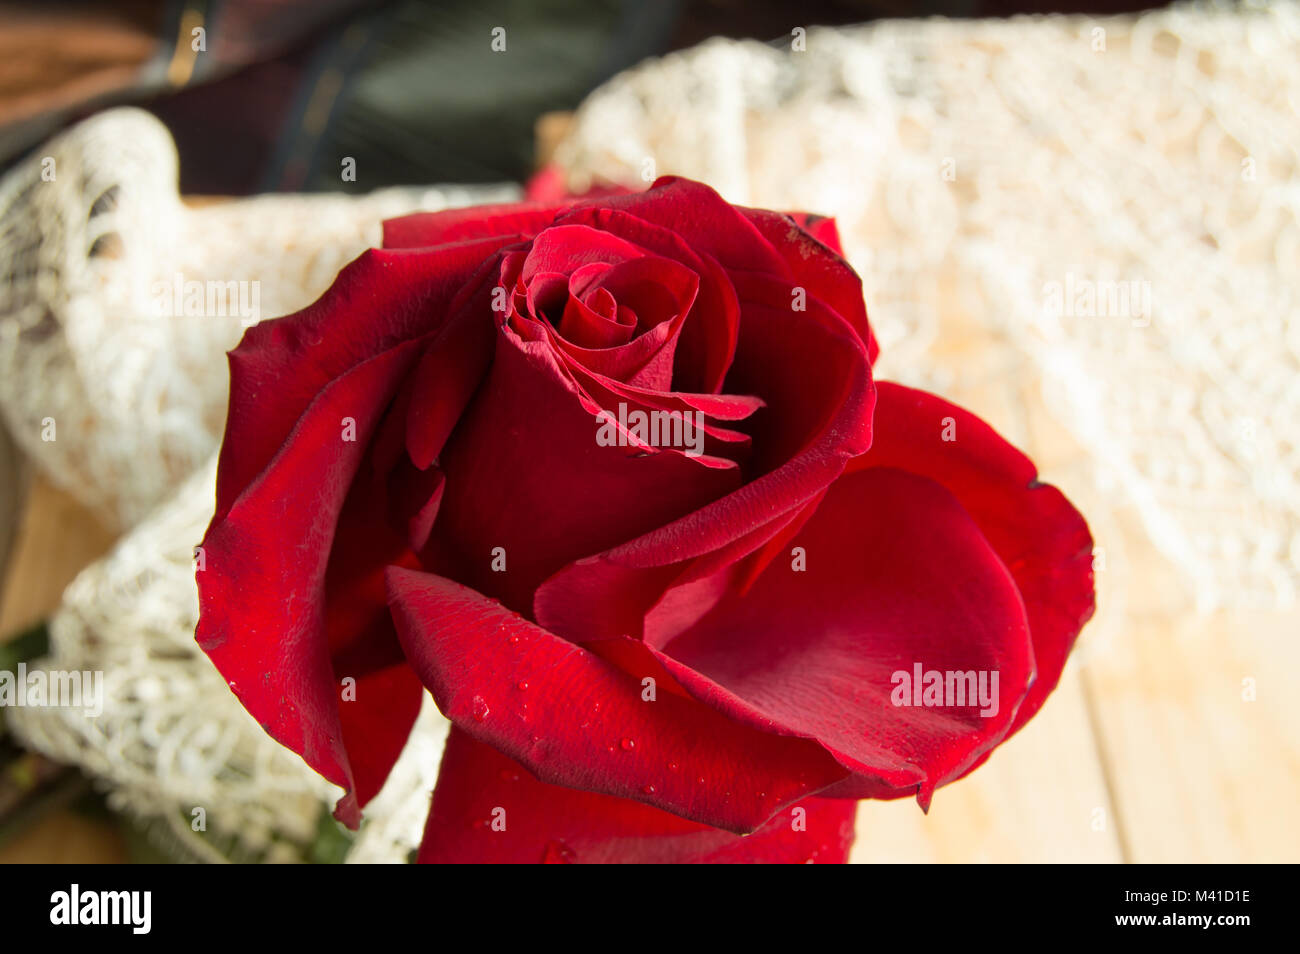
522	685
558	853
672	766
628	744
479	708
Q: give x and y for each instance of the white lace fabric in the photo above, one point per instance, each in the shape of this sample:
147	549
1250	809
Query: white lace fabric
1001	170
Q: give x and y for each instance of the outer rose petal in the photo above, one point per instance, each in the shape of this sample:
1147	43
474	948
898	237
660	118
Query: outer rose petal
1038	534
379	705
277	629
820	227
378	301
818	265
709	224
549	824
896	576
576	720
507	222
262	602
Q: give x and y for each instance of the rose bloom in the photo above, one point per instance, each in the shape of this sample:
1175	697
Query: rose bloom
646	649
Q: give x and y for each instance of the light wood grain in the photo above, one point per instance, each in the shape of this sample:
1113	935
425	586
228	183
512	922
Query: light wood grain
1035	800
56	538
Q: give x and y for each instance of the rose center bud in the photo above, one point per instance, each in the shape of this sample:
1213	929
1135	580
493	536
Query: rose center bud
612	315
597	305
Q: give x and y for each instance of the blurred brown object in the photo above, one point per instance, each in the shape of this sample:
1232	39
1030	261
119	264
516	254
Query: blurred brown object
54	58
60	62
66	838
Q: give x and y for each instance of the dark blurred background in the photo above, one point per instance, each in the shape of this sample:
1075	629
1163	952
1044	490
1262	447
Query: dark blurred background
283	88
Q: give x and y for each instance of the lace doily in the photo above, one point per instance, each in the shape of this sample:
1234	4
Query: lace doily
999	170
1113	200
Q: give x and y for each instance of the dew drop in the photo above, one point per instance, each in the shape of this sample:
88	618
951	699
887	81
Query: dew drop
522	685
672	766
628	744
558	853
479	707
649	789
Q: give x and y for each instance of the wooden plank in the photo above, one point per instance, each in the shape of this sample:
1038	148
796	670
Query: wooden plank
1036	800
57	537
1202	772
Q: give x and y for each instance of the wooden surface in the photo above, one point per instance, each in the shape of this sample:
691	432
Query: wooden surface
55	538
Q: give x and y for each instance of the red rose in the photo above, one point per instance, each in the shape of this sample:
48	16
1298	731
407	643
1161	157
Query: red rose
613	482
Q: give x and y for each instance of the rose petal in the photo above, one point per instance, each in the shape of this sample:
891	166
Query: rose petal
525	473
896	575
507	222
707	222
575	719
1037	533
548	824
811	427
818	266
820	227
263	617
451	368
380	300
708	336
